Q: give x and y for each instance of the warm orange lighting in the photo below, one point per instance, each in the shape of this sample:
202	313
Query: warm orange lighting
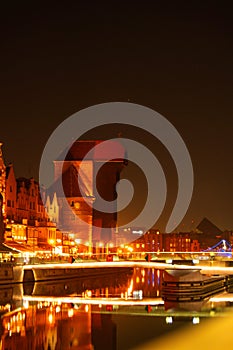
26	304
70	312
95	301
89	293
58	309
50	318
169	320
130	289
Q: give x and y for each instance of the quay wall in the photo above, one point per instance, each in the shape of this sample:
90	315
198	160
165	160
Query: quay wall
10	273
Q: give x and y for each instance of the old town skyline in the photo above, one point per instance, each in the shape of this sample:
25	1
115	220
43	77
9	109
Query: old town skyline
177	61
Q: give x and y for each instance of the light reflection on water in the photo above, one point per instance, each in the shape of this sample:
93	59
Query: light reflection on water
114	311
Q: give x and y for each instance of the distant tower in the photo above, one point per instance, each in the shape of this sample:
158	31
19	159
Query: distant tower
2	180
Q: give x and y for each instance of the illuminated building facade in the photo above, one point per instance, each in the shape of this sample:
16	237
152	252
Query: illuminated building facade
11	193
2	179
25	218
100	165
29	204
151	241
177	242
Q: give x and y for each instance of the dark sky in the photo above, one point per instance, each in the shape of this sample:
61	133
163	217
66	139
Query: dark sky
174	57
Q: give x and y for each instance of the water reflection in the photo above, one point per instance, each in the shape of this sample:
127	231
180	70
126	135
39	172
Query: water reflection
104	285
106	312
47	326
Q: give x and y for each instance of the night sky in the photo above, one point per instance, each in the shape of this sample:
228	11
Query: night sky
175	58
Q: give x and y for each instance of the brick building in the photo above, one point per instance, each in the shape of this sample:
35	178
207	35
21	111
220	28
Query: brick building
151	241
26	220
100	166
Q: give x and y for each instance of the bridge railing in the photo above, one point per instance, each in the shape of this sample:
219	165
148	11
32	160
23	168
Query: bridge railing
168	257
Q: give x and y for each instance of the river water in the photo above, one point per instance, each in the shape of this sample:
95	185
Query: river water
117	311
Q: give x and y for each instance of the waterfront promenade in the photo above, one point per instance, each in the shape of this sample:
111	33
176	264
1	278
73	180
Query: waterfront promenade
12	273
204	268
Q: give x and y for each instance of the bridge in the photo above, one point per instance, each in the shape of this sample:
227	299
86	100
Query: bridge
53	271
11	273
222	248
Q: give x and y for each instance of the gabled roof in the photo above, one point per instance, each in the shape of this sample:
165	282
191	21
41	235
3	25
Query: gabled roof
8	168
23	181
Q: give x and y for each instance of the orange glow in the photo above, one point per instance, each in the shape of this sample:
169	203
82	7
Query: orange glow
70	312
130	289
50	318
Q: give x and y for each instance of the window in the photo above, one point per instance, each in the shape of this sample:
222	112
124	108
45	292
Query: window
8	203
10	188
